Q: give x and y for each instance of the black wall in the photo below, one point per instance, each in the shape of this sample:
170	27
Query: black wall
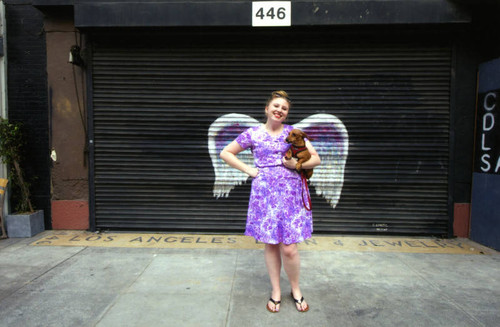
28	96
462	115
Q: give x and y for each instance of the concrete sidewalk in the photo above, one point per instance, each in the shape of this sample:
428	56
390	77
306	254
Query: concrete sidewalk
97	286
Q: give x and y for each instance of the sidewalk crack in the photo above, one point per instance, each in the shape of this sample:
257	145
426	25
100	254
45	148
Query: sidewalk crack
232	289
43	274
448	298
123	291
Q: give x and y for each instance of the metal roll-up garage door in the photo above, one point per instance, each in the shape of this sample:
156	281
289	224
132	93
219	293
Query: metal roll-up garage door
155	97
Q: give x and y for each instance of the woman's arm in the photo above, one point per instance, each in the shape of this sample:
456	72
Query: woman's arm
229	156
309	164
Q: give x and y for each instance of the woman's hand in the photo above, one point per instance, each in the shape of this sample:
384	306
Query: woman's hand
309	164
289	163
253	172
229	156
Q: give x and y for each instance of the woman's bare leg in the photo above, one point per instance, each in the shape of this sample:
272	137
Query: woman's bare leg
273	262
291	263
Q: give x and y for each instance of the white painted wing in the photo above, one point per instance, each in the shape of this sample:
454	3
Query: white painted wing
222	132
331	141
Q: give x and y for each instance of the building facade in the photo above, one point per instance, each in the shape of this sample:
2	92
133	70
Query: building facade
125	106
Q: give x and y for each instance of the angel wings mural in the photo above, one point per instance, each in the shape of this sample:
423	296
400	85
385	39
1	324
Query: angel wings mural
329	138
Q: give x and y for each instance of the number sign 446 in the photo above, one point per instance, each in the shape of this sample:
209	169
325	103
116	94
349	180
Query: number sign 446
271	13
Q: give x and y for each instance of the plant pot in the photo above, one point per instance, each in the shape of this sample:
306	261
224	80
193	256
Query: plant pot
24	225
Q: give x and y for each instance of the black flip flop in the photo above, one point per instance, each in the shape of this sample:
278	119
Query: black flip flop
300	302
275	304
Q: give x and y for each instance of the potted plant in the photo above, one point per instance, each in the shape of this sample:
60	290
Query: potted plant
26	222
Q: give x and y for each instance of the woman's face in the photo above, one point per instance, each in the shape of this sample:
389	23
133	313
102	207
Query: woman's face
277	110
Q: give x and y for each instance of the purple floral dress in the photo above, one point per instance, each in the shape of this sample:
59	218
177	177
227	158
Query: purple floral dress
276	213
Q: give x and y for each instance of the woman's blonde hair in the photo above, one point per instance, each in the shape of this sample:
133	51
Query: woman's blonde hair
279	94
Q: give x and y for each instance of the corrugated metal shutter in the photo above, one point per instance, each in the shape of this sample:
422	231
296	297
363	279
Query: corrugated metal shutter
153	102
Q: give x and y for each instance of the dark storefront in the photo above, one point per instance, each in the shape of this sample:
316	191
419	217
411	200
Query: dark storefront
158	75
154	100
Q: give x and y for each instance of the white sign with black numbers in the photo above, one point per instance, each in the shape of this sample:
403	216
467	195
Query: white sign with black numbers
271	13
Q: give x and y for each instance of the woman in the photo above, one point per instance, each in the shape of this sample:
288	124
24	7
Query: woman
276	213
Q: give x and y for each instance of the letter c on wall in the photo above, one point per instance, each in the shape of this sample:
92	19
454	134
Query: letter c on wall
486	98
